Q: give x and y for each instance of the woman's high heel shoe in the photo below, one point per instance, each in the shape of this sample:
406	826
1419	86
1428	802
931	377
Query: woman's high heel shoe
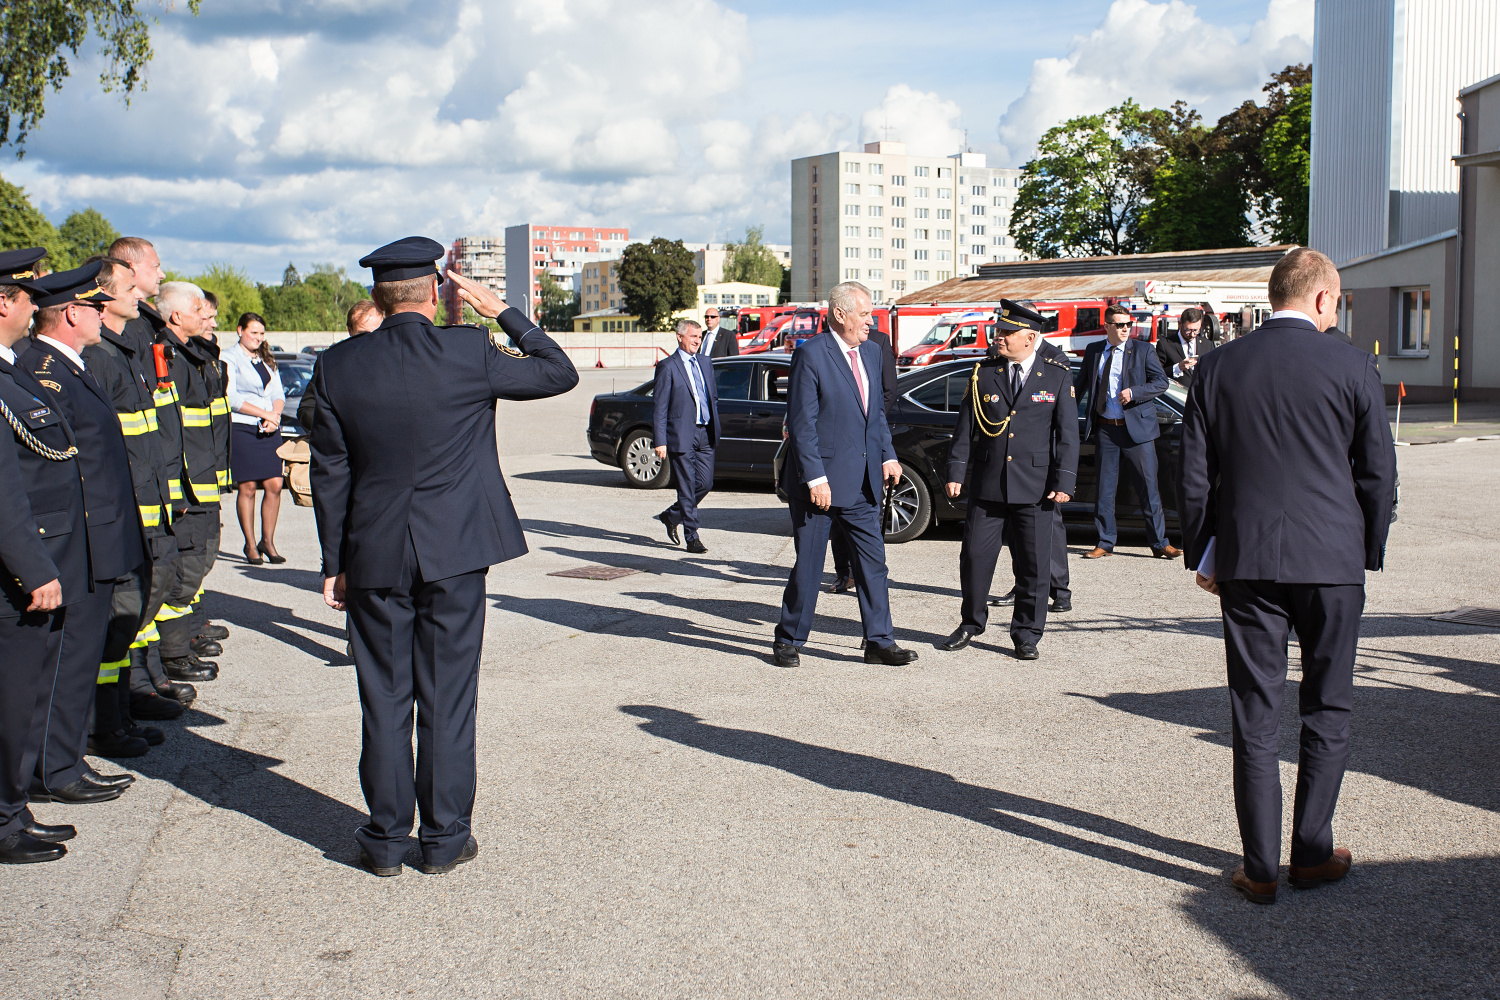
271	557
252	558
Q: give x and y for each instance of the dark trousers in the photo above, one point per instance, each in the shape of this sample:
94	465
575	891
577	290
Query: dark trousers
1030	530
146	674
418	642
1058	588
1111	444
196	531
25	642
693	475
1257	617
73	653
843	559
860	525
112	691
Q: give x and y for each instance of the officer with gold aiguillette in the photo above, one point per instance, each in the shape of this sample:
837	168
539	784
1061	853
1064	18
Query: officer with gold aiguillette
1015	454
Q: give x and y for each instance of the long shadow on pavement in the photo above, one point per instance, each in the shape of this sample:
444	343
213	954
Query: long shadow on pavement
928	789
765	615
594	618
278	623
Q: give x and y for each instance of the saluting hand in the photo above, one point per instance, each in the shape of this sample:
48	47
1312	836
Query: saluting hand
485	302
47	597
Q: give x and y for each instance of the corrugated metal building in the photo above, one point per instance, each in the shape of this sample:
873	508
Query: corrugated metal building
1387	76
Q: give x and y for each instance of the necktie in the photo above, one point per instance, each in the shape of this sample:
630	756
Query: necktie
1015	380
1101	391
1192	346
859	381
702	392
707	344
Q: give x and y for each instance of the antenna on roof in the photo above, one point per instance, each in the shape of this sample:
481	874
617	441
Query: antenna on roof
886	128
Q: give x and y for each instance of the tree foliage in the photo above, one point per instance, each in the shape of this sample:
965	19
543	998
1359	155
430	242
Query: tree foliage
656	280
751	261
33	35
82	235
237	293
558	304
1286	151
1196	195
320	301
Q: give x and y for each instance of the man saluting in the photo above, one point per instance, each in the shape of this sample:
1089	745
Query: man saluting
412	512
1003	449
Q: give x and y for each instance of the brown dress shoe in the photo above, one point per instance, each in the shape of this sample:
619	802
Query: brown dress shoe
1331	870
1257	892
1167	552
1097	553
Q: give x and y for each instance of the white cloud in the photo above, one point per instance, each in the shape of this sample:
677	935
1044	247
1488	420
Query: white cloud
924	121
1156	53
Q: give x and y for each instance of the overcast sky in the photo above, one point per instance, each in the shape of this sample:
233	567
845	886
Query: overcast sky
278	130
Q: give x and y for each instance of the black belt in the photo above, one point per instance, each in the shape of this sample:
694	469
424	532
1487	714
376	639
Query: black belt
1112	422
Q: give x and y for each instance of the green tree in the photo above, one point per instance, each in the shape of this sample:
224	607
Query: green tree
87	233
558	304
22	225
1286	151
33	35
656	279
1082	195
750	261
1196	195
290	276
237	294
336	292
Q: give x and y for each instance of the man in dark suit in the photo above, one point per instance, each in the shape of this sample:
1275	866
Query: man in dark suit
1125	377
839	456
685	425
842	557
412	511
1287	483
1179	353
1015	450
717	343
67	322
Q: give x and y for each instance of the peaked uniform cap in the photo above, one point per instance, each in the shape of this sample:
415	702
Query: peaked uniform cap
78	285
1015	316
18	267
412	257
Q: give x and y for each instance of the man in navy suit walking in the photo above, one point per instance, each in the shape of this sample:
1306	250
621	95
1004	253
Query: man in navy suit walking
1288	473
839	457
685	427
1124	377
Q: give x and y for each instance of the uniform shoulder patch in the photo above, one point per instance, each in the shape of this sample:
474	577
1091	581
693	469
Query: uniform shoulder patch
498	339
1059	362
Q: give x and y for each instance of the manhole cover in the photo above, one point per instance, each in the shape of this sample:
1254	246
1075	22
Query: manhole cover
595	572
1487	617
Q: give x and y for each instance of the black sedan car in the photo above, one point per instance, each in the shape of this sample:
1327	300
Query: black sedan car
752	405
295	375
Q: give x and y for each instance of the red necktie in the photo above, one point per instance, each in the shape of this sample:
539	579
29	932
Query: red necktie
859	381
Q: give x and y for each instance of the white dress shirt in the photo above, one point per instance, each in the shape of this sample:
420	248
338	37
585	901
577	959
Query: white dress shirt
67	351
709	337
861	377
1291	314
8	354
1189	350
688	362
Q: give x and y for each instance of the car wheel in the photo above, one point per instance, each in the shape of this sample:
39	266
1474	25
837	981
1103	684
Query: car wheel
910	510
638	460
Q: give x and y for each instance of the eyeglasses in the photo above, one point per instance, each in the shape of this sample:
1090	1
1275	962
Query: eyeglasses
1119	326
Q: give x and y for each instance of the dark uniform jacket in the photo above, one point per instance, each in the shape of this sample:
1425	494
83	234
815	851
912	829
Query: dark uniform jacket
403	445
218	383
1171	351
128	378
1287	459
1036	453
147	333
196	384
43	534
114	530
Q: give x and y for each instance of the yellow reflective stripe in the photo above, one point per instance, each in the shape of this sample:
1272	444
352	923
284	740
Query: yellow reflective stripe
199	595
134	424
223	475
164	397
169	613
151	422
146	635
151	516
110	672
219	407
196	416
206	492
174	488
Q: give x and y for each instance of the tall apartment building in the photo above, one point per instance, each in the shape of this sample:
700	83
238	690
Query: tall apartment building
896	222
479	258
561	251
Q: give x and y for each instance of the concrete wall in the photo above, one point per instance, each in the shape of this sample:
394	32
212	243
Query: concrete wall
1376	284
1479	324
616	350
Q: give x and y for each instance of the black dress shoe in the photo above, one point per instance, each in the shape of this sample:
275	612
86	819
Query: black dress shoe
1062	604
960	638
368	864
51	834
21	848
184	694
154	737
189	668
672	535
206	647
696	547
784	654
117	744
212	631
1005	600
97	780
77	792
843	585
470	852
1026	650
155	707
891	656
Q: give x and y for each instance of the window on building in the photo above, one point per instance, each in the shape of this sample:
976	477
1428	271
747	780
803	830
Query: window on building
815	196
1416	321
976	230
898	265
874	273
898	285
875	232
945	172
898	244
898	223
746	300
919	255
976	210
815	238
922	192
876	295
763	300
945	213
977	189
945	234
815	217
919	213
851	209
851	189
815	258
944	275
851	274
815	282
1001	202
875	253
851	167
1346	313
877	168
815	175
877	211
942	255
876	190
898	201
710	298
919	171
944	192
898	180
851	231
921	276
978	250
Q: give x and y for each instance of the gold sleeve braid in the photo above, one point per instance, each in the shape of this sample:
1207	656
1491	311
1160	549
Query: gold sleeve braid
981	421
30	440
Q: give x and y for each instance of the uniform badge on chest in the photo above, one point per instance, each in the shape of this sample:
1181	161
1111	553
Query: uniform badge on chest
1044	397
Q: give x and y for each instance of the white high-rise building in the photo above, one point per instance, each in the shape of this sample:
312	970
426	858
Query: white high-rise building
896	222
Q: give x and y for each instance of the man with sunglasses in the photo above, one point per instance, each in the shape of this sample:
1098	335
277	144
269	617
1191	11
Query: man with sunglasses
717	343
1124	376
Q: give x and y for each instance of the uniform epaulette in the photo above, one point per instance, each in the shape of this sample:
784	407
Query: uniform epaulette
1059	362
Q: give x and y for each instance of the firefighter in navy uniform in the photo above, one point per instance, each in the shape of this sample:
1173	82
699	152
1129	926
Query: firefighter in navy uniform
1015	453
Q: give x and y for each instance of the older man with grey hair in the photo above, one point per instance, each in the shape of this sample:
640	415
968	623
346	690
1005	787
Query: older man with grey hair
685	427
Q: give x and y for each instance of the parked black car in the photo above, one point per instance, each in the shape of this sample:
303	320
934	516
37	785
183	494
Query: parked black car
295	375
752	405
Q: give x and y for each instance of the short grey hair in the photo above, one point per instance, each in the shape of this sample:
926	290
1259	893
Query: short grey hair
841	297
177	296
683	324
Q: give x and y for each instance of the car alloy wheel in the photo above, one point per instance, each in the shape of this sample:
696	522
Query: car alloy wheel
640	463
910	509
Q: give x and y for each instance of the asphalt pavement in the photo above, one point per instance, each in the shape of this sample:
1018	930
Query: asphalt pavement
663	813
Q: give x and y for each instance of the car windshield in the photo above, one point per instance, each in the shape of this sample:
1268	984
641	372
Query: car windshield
937	335
294	378
1177	394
